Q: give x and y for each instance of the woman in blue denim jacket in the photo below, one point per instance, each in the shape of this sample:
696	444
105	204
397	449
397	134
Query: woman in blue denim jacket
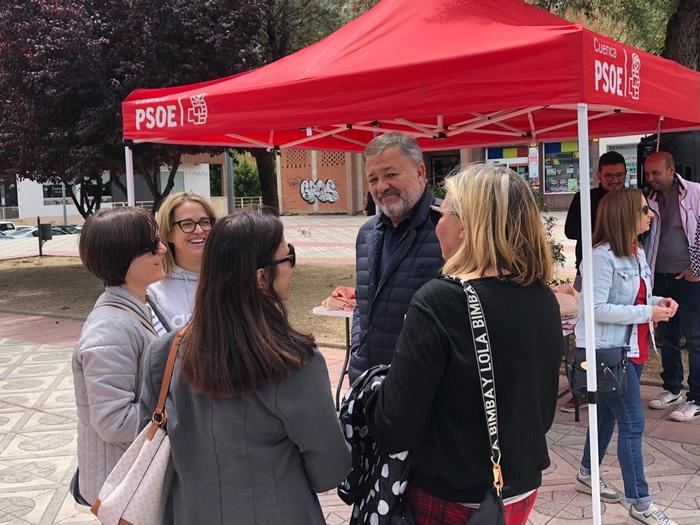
624	310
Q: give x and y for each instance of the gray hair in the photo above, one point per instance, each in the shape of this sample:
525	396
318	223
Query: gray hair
406	145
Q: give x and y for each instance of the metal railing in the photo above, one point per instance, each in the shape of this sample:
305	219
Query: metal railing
240	202
247	202
139	204
9	212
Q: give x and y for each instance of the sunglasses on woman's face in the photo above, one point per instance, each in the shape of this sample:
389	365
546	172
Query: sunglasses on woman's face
644	210
291	257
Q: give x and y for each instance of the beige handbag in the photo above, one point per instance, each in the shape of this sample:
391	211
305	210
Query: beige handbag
136	490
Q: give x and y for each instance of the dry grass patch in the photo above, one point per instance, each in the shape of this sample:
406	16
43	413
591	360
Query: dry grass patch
61	286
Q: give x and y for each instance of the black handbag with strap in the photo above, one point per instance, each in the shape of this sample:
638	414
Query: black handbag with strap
491	510
611	371
611	367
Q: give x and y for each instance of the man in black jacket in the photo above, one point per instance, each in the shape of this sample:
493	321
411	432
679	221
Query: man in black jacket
612	171
396	251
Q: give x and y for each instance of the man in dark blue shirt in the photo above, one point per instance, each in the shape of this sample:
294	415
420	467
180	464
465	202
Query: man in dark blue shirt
396	251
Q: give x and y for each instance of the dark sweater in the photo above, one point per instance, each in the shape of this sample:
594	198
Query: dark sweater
572	226
430	402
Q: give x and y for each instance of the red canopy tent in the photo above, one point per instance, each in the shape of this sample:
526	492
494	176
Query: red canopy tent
450	73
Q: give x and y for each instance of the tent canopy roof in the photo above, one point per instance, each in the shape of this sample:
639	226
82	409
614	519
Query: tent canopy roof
450	72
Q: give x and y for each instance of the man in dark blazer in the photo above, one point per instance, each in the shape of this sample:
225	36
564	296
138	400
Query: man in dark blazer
397	250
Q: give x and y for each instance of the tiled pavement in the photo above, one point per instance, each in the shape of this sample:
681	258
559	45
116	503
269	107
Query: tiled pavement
318	238
321	238
37	442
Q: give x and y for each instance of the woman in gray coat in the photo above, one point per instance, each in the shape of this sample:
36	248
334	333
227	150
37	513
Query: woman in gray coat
121	247
251	421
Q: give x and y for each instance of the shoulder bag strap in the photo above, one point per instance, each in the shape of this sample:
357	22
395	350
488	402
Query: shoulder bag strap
484	361
160	418
146	323
167	325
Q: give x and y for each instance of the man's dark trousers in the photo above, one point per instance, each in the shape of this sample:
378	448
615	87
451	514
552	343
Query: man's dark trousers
686	322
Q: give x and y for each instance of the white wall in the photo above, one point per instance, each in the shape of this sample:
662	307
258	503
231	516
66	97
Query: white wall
197	179
30	198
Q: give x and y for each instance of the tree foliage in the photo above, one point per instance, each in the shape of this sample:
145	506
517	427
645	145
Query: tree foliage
682	42
66	66
245	176
639	23
289	25
670	28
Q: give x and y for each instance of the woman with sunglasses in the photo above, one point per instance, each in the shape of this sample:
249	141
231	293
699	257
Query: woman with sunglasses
121	247
624	310
252	425
184	222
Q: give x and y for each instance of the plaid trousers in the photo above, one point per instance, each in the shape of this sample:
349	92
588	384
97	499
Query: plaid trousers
429	510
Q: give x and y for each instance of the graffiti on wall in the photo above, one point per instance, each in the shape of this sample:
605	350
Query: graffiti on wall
318	190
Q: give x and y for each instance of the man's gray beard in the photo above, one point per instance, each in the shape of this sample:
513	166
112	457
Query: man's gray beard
396	212
399	211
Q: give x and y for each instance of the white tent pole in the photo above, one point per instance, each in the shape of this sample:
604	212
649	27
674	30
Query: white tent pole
130	193
587	273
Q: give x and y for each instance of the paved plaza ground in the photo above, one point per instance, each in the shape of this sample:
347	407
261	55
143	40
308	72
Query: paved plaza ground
317	238
38	434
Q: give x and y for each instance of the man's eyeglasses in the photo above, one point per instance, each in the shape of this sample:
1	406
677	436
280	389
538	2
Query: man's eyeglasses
189	226
153	247
291	257
440	209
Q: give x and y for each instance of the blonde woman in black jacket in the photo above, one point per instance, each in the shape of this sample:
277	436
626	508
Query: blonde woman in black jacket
430	403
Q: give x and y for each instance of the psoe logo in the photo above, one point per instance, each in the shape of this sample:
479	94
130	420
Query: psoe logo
192	110
635	80
196	111
613	72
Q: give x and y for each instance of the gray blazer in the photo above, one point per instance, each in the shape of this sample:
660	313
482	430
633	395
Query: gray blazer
253	459
107	375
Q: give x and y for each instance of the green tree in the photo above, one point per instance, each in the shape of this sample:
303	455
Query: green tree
65	68
639	23
682	42
246	181
289	25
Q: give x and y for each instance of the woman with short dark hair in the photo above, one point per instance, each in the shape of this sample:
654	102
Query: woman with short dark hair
251	421
121	247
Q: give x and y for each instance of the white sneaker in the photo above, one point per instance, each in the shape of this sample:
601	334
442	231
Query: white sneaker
652	516
607	494
665	399
686	411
